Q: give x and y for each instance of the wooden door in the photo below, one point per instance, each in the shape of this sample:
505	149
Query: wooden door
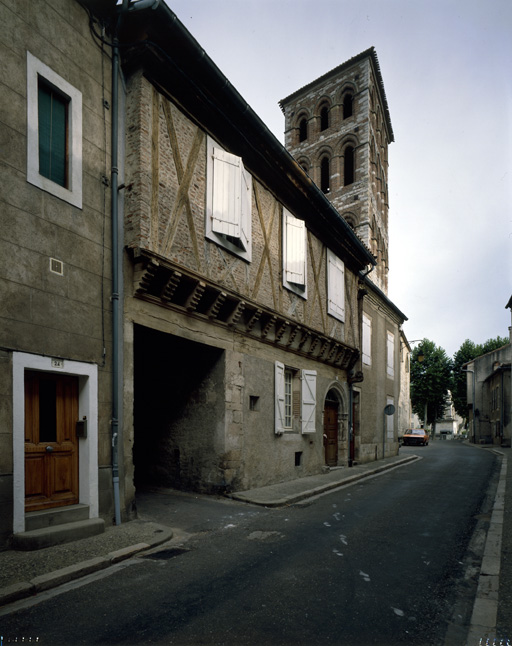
331	433
51	445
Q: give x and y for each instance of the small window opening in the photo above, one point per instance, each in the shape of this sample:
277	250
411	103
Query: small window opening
303	129
348	106
324	118
349	166
298	458
254	402
325	175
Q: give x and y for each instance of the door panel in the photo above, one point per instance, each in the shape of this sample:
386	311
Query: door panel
51	446
331	433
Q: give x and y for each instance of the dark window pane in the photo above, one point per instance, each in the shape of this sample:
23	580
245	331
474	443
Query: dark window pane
47	410
52	113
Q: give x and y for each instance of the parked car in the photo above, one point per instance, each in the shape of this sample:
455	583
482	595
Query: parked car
415	436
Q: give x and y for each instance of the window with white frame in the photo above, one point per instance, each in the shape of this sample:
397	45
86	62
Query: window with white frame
390	419
295	399
391	355
335	286
54	133
228	201
367	340
294	254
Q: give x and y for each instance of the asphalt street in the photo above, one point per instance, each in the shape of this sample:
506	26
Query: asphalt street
387	561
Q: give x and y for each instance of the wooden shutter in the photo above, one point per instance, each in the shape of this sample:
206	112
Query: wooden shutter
245	204
335	286
226	198
391	355
279	397
367	340
308	403
295	250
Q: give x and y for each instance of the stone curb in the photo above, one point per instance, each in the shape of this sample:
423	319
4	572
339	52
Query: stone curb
19	591
485	608
310	493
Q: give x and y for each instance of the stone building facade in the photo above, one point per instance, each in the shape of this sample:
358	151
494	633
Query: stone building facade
183	304
55	319
489	395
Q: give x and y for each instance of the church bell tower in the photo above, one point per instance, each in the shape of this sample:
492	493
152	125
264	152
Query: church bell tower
338	129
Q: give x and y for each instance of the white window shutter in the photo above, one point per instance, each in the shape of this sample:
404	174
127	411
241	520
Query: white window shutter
308	401
226	199
245	204
391	355
295	260
335	286
367	340
279	397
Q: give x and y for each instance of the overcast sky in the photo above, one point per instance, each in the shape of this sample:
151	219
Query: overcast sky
447	70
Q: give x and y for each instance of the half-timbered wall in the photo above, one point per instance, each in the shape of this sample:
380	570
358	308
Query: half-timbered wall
185	282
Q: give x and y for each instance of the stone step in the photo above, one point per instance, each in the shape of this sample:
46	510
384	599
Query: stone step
55	516
37	539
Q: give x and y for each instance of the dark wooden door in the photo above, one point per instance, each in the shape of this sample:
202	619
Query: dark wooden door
331	433
51	445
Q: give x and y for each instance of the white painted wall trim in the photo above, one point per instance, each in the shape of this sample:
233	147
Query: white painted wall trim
87	374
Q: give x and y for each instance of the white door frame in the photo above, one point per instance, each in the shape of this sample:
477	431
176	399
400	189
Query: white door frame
87	374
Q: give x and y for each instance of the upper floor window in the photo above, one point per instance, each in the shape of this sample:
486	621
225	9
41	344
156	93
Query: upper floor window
325	175
348	165
303	129
335	286
294	254
324	118
367	340
228	201
391	355
348	105
54	133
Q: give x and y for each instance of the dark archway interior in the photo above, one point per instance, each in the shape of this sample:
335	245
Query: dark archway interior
178	405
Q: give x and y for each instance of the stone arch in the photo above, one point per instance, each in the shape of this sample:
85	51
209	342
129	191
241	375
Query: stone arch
324	153
304	163
301	125
323	113
335	423
351	219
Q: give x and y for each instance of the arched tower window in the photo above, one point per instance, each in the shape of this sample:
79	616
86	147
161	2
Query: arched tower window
348	170
324	118
325	175
348	105
303	129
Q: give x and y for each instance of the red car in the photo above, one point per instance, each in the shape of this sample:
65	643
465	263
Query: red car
415	436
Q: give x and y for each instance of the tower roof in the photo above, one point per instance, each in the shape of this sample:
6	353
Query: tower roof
368	53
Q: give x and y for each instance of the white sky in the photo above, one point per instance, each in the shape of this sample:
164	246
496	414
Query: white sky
447	70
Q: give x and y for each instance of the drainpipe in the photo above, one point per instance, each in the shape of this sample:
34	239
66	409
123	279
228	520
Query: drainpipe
116	336
117	341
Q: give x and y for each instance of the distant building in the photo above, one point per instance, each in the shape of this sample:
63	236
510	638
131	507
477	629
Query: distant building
489	395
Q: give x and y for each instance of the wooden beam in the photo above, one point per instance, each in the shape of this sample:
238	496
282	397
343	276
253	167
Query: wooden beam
170	286
194	298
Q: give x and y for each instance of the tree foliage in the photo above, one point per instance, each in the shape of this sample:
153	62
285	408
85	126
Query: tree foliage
467	352
430	381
